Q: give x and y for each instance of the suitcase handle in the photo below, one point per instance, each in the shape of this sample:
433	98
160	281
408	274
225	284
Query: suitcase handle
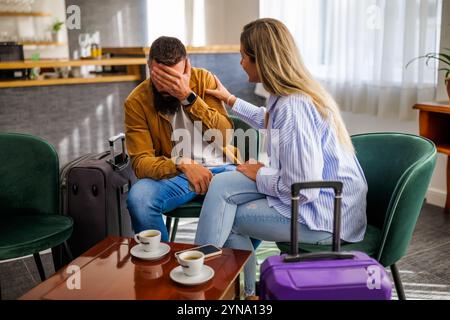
336	254
124	159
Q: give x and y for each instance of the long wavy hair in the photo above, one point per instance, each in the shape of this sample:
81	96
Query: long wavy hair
282	72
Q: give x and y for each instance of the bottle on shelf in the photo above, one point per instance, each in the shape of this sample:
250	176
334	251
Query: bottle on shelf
96	51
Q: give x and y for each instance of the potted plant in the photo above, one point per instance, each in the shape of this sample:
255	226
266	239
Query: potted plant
439	57
56	28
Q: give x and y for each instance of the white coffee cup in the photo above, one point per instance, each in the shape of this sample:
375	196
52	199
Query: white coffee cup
191	262
149	239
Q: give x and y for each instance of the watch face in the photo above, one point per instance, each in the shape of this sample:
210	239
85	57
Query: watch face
191	97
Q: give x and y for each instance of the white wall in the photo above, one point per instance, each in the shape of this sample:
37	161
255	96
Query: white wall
226	18
39	26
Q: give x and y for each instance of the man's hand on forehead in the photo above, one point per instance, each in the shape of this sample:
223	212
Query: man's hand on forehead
172	71
170	80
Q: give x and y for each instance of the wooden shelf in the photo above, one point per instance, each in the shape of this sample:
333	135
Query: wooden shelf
133	72
133	51
69	81
24	14
28	64
42	43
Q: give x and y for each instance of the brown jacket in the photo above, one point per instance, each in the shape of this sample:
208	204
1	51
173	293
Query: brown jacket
149	132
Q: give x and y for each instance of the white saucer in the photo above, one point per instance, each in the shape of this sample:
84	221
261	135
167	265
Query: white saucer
178	275
138	252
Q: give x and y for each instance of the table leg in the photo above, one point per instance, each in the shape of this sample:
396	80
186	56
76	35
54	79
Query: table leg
447	205
237	288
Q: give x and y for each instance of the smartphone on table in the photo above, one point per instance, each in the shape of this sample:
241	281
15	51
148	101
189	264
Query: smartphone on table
208	250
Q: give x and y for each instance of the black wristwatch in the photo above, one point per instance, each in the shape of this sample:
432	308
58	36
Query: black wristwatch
190	99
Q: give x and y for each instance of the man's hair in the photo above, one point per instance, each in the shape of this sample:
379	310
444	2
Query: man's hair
167	50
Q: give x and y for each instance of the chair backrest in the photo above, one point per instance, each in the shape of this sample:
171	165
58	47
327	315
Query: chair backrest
248	145
398	168
29	175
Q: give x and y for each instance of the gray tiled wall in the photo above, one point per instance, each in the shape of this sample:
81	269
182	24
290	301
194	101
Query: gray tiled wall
121	23
76	119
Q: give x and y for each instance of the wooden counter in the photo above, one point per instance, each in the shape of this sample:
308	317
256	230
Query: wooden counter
140	51
133	72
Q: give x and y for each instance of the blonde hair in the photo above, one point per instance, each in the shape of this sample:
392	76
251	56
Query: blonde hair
282	72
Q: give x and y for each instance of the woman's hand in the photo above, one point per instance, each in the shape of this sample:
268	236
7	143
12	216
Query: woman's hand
222	93
250	169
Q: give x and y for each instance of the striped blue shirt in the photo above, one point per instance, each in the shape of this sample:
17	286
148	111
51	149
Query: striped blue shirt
303	146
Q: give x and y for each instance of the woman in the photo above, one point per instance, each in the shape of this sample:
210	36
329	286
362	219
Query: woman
307	141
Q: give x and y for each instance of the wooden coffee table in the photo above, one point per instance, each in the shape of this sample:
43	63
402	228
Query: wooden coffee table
109	272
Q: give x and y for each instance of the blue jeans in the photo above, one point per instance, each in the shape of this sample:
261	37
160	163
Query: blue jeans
148	199
234	211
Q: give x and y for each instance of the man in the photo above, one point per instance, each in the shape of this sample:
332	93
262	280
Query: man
173	106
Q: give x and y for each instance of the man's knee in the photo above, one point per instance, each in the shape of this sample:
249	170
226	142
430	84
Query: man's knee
229	182
144	194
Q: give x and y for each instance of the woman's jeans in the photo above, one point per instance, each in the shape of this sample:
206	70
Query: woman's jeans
148	199
234	211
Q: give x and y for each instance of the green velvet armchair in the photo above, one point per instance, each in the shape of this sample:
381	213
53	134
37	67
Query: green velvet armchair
29	193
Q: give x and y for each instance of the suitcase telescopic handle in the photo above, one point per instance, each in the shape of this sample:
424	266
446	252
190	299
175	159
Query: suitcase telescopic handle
337	186
112	141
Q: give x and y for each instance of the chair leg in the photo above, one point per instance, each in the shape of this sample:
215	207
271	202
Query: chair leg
68	251
57	254
40	267
62	255
398	283
168	224
174	230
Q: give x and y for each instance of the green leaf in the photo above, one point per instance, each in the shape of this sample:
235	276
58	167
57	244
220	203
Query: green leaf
444	58
438	57
415	59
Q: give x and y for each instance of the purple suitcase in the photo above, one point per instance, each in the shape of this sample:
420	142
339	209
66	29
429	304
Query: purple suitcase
327	275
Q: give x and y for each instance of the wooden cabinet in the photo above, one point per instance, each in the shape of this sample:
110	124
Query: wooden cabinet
434	123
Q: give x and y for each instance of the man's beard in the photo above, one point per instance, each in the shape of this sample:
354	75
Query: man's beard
164	103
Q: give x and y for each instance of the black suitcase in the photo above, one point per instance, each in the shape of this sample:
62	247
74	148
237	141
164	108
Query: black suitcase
94	189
